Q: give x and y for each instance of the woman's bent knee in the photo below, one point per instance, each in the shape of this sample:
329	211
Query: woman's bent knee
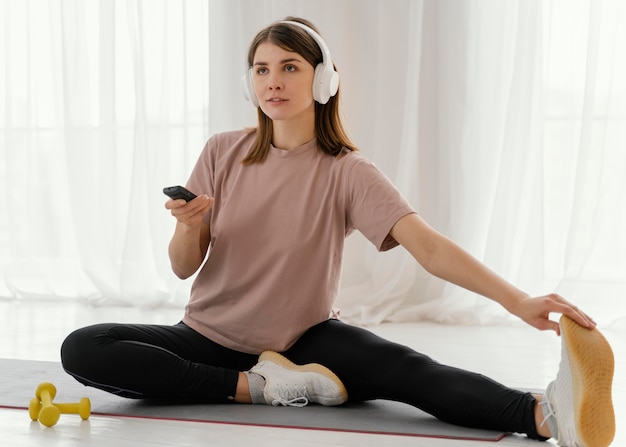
80	346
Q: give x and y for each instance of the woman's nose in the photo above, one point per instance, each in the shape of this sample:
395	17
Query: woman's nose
275	82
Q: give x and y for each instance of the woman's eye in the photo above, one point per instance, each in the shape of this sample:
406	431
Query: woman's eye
261	71
290	68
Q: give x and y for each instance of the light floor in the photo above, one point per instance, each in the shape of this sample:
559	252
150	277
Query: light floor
516	355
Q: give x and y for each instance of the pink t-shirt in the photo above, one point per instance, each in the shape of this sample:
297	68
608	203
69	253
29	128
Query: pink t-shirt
277	236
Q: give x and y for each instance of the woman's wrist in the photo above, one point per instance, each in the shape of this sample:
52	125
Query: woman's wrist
513	302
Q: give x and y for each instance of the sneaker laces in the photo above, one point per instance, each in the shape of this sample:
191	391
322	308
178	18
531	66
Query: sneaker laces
550	412
294	396
545	404
566	437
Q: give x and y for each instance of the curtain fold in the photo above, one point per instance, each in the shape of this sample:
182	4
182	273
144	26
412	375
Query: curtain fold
501	122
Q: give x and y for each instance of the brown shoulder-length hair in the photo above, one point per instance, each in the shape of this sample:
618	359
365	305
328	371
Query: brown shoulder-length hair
329	130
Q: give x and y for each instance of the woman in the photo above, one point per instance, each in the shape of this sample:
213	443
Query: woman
267	233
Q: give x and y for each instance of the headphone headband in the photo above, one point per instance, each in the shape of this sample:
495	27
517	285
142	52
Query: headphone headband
326	59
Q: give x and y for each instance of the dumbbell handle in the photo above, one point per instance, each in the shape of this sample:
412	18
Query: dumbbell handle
83	408
46	398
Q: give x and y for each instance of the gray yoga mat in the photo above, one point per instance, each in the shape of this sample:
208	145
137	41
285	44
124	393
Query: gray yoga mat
19	380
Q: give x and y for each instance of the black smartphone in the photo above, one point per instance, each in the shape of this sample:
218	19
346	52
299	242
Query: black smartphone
178	192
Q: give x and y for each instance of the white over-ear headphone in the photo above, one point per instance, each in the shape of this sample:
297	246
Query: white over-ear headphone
325	81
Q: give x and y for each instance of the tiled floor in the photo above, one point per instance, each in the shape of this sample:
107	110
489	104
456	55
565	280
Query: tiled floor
514	354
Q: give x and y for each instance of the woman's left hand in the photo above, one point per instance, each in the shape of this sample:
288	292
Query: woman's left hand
536	312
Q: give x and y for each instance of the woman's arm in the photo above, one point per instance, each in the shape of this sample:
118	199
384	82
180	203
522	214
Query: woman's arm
445	259
190	242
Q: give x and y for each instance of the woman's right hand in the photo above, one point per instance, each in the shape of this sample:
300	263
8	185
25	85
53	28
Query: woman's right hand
190	213
192	236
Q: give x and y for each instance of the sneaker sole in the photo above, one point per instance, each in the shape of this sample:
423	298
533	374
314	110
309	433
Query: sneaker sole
280	360
592	365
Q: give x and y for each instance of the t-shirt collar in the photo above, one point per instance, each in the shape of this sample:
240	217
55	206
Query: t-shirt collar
306	147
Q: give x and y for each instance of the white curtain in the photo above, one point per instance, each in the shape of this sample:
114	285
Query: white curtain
502	122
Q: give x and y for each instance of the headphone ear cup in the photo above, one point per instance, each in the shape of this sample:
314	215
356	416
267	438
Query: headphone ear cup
325	83
247	88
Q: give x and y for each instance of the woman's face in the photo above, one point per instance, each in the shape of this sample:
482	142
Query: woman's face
283	83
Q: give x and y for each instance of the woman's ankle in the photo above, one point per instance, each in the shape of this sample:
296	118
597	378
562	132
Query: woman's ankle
540	425
242	393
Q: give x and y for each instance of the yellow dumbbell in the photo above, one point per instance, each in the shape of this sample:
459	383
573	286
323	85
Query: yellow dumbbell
42	406
43	409
82	408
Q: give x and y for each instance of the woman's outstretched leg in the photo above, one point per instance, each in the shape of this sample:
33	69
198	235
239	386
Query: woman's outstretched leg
374	368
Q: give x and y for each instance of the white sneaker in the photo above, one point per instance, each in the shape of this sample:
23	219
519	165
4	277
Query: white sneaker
294	385
580	396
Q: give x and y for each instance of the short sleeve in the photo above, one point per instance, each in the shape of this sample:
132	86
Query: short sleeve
202	178
374	204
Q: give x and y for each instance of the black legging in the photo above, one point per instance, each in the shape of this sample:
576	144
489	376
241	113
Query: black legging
151	361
